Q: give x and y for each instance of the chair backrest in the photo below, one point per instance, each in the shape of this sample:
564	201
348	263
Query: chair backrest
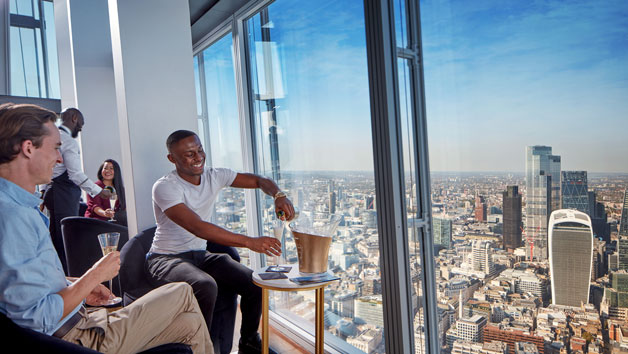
133	275
82	209
80	240
29	341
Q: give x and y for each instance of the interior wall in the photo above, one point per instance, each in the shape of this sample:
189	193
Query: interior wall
86	77
155	93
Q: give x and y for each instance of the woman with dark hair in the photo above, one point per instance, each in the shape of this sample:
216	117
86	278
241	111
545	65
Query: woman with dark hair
109	175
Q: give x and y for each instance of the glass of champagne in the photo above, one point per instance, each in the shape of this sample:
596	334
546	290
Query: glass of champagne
109	243
112	200
278	227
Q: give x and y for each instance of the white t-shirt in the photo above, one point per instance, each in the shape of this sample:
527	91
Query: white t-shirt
171	190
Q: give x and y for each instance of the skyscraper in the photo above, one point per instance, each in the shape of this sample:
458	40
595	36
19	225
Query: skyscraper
480	208
512	218
369	202
442	232
570	256
574	191
332	202
482	257
622	248
623	222
542	196
599	218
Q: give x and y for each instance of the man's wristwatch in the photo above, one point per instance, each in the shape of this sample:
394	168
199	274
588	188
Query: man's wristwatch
279	194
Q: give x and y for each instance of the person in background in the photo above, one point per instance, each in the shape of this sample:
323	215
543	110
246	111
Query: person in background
63	194
109	175
34	292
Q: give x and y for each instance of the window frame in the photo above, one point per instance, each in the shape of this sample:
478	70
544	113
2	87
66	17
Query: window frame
392	223
23	21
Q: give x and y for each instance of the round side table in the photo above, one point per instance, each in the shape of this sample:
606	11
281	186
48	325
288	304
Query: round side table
287	285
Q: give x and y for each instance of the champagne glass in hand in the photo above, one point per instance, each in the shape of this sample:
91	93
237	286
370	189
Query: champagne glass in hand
109	243
112	199
278	226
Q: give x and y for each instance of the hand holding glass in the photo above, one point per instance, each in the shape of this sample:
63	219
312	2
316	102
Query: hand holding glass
109	243
112	200
278	227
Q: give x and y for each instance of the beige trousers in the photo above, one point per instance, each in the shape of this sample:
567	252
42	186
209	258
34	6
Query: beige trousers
168	314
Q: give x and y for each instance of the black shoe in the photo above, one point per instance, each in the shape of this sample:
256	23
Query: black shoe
252	346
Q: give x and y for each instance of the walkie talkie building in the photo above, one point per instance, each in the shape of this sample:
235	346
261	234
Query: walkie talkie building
570	256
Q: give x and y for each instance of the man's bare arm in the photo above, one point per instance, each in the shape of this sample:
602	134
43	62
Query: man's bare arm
268	186
189	220
249	180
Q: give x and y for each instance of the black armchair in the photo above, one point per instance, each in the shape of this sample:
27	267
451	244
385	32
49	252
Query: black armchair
136	282
134	279
29	341
80	241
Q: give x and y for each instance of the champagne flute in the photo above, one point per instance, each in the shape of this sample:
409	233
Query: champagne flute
112	200
109	243
278	227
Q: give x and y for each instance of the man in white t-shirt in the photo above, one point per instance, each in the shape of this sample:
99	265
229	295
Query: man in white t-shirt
183	202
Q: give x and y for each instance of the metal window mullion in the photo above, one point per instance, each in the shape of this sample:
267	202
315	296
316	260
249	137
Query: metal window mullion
44	48
24	21
204	111
389	175
247	132
37	61
423	192
5	45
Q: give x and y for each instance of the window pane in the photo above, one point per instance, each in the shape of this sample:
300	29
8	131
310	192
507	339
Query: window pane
401	31
220	127
413	212
24	62
34	65
313	134
526	108
51	50
25	8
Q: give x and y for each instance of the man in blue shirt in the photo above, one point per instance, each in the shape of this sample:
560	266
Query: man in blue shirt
34	292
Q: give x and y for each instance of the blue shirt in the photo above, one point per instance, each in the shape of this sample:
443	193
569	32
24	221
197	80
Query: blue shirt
30	270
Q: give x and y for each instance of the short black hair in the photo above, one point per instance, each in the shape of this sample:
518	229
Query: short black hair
70	113
178	136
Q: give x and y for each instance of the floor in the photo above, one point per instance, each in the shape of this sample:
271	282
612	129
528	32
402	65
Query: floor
278	341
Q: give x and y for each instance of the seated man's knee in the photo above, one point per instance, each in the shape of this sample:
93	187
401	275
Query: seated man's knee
179	289
205	287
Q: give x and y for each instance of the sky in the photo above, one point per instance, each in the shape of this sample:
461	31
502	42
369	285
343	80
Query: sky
499	76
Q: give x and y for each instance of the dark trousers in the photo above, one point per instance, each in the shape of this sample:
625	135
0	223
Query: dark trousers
217	280
62	199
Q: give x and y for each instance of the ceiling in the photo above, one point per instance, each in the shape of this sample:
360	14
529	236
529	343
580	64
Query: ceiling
199	7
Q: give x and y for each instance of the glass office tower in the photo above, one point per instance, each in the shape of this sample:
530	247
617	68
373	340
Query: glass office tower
512	218
542	193
622	244
623	222
574	191
570	256
442	233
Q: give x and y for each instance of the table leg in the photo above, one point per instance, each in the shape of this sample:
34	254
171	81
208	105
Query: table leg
320	320
264	321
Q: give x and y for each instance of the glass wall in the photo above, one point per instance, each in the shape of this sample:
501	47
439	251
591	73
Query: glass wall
508	83
219	129
302	80
33	48
309	91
